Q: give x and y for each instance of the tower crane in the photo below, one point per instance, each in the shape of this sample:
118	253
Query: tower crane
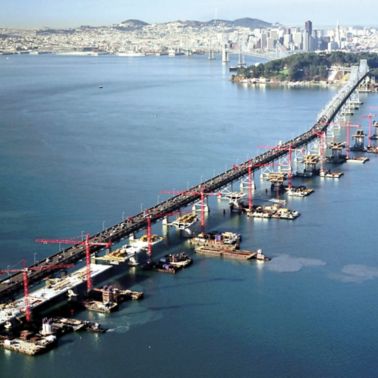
87	243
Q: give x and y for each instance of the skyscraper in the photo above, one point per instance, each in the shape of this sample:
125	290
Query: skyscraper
308	27
307	36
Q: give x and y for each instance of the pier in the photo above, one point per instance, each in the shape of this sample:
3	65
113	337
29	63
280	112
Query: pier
13	284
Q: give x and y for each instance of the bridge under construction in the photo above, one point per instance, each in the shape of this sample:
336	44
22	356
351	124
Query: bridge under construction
14	283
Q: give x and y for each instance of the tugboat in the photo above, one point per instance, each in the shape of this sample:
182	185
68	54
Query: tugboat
260	257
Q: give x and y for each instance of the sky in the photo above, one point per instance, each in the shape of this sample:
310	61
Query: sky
72	13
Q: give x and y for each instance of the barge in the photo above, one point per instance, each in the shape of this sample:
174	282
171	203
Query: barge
171	263
225	251
225	238
142	242
126	254
299	191
33	346
330	174
274	211
359	159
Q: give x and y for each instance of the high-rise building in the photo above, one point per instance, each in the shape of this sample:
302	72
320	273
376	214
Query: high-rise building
307	45
308	27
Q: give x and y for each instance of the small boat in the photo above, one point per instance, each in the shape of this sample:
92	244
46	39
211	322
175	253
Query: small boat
261	257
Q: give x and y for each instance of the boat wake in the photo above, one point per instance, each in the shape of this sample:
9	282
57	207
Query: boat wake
291	264
356	273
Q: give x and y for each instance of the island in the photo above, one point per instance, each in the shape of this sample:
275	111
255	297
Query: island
306	69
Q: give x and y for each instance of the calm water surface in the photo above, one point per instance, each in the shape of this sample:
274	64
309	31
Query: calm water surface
75	158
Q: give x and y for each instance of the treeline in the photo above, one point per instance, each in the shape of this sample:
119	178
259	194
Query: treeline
307	66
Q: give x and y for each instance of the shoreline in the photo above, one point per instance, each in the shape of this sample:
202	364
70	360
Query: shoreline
286	83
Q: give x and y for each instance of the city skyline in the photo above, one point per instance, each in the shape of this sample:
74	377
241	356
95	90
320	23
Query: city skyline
43	13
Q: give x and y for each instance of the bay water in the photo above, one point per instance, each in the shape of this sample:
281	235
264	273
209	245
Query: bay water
86	141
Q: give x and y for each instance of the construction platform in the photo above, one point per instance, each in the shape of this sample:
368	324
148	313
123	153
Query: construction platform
110	298
56	289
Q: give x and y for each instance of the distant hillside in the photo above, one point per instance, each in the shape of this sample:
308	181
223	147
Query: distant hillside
252	23
307	66
132	24
241	22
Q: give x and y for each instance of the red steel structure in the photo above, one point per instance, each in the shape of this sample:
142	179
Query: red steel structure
369	117
251	166
290	150
87	243
202	194
348	126
149	228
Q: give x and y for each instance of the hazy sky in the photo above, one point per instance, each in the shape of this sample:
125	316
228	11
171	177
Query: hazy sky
66	13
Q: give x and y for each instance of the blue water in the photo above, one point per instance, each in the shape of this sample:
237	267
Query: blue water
75	157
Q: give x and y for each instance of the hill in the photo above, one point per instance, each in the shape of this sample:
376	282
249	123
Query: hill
247	22
132	24
306	66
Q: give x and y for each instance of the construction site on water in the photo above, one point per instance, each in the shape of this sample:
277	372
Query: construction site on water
24	326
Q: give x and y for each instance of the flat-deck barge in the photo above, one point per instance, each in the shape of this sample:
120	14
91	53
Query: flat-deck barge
225	251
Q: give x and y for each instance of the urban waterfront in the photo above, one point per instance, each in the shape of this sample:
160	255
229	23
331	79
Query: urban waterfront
76	157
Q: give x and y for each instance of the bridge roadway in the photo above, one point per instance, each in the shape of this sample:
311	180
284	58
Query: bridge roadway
13	284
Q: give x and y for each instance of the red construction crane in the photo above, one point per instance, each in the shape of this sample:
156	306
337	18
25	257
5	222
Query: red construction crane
25	280
348	126
149	227
87	243
370	125
202	194
290	150
252	165
321	135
